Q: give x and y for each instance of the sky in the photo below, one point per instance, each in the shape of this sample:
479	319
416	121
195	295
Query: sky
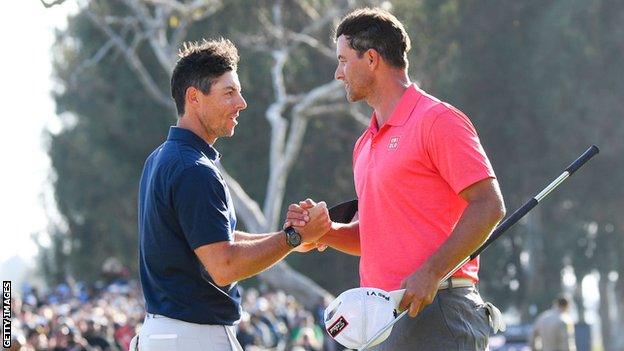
27	32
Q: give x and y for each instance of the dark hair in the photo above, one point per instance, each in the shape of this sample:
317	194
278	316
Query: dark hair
375	28
199	64
562	301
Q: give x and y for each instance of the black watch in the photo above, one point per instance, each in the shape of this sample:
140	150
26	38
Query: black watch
293	238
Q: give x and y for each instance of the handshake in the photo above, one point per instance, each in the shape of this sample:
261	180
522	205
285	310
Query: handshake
312	221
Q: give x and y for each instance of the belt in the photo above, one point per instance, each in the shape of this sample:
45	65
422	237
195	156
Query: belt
451	283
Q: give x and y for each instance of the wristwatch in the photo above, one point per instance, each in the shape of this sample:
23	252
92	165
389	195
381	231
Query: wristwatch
293	238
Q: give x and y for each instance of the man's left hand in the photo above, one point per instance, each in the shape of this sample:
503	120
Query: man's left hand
420	290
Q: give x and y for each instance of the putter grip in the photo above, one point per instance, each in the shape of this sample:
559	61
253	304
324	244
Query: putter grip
579	162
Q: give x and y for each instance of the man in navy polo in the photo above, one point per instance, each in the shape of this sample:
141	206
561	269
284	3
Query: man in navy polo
190	254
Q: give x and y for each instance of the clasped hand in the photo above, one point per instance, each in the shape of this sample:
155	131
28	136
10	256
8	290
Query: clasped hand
311	220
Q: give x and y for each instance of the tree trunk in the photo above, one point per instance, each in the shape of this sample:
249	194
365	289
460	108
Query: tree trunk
533	272
618	307
603	310
579	299
306	291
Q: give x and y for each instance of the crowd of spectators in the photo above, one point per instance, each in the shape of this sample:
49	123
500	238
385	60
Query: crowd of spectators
75	317
276	321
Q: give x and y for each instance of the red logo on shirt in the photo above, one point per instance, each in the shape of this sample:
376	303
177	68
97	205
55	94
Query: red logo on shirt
394	143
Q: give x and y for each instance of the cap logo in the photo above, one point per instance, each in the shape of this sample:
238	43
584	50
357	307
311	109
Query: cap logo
378	294
337	327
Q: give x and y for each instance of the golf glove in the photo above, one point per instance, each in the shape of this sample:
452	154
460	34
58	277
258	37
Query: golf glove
496	318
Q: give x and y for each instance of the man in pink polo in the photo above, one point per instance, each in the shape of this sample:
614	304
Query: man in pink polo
408	175
428	196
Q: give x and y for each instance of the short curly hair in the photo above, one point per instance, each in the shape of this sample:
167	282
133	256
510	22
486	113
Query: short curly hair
376	28
199	64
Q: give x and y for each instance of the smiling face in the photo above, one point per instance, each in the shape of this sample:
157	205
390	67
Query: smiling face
353	71
218	110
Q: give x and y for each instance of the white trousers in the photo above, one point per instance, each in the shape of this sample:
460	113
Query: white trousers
160	333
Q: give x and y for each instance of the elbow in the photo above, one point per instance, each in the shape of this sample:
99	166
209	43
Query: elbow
501	211
223	276
222	280
495	210
219	266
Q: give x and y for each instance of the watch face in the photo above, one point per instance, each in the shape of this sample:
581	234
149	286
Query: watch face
292	237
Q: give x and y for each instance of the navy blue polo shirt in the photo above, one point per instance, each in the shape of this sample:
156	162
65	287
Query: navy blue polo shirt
184	203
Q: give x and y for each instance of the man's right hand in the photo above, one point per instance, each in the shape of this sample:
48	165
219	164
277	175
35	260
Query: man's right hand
298	214
310	219
342	237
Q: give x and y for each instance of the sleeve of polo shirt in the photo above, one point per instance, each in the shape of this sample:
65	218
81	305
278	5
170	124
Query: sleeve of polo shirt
201	207
456	151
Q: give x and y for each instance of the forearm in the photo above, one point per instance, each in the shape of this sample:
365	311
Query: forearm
242	236
343	237
474	226
236	260
250	257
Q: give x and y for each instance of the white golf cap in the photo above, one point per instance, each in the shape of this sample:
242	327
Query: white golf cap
356	315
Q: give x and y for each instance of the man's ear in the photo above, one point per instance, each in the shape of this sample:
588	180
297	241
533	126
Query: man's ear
191	97
373	59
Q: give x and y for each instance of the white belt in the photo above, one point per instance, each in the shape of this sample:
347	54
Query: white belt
451	283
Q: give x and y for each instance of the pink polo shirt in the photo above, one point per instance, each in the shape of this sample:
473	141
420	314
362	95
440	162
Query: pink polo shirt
408	175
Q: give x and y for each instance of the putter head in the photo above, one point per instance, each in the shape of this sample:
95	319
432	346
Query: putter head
344	212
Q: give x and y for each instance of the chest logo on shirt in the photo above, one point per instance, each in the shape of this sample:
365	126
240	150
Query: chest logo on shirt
394	143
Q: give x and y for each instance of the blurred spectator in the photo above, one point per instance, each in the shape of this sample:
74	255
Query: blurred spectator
554	329
245	335
307	334
95	335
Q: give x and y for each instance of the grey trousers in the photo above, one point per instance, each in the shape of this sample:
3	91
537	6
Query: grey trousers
455	320
160	333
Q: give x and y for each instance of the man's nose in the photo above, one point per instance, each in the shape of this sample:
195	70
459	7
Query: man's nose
243	103
338	74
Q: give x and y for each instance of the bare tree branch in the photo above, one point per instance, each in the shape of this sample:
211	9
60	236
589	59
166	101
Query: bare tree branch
284	151
245	205
47	5
92	61
359	116
274	114
155	31
133	61
313	43
308	9
152	25
299	112
198	9
283	277
327	110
